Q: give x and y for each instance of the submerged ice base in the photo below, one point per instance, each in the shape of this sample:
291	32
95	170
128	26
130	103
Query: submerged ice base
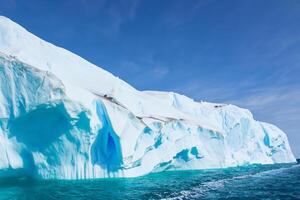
61	117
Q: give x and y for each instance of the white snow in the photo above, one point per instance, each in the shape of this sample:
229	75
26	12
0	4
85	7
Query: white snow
63	117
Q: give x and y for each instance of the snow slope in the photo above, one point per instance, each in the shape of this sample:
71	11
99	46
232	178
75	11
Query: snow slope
63	117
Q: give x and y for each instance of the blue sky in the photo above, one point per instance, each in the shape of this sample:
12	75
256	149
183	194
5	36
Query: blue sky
244	52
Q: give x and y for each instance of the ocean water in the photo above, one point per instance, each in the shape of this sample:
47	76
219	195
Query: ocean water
251	182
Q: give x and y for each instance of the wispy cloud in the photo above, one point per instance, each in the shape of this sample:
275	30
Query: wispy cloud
117	13
181	12
144	72
159	72
107	16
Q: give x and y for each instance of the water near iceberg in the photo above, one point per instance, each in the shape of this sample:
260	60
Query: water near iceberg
256	182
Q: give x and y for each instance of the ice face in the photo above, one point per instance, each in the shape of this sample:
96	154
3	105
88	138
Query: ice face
62	117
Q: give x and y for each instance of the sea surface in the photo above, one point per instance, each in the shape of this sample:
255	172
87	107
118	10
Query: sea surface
251	182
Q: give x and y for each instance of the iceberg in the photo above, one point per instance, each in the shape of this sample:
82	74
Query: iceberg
62	117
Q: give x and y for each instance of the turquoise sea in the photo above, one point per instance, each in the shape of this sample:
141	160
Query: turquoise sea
251	182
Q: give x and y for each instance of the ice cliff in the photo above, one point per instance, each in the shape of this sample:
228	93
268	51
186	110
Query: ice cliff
63	117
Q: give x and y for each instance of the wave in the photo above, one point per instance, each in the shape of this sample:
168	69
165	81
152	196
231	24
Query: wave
202	189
